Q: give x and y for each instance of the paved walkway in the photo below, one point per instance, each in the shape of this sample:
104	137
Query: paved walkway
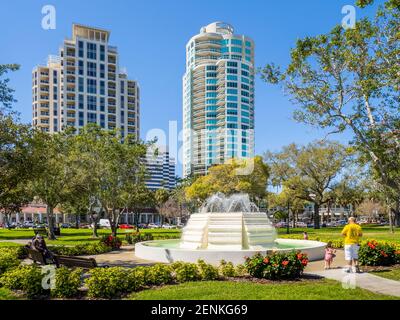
123	258
365	280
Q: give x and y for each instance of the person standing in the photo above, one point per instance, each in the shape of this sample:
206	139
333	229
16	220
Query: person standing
352	233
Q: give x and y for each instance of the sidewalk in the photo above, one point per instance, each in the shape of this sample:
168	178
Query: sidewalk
365	280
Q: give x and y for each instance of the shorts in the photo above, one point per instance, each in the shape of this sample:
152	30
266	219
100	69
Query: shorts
351	251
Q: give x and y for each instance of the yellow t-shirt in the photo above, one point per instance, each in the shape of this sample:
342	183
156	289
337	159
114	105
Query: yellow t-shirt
352	233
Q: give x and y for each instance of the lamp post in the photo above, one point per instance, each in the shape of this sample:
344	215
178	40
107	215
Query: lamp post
288	217
313	196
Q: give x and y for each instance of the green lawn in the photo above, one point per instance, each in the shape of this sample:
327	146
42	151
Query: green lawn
225	290
6	294
77	236
324	234
393	274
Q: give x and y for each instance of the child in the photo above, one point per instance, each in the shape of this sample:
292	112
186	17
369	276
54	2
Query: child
305	235
329	255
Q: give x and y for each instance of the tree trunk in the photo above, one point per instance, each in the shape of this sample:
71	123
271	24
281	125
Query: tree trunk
113	223
94	223
50	222
294	218
316	216
397	215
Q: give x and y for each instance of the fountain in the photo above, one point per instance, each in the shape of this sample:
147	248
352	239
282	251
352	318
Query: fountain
229	228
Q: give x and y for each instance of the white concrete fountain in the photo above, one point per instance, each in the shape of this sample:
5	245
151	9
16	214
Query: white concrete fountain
229	228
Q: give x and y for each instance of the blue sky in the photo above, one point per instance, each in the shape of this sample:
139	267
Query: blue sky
151	37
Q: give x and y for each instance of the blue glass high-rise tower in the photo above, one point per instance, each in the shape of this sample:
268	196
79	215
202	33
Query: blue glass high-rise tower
218	98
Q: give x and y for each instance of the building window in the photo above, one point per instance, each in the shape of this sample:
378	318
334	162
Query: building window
80	85
91	117
91	103
55	79
91	69
81	119
102	87
102	52
91	86
80	49
91	51
80	67
102	121
102	104
80	101
102	71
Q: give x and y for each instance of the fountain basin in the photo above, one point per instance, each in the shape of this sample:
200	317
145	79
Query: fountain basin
168	251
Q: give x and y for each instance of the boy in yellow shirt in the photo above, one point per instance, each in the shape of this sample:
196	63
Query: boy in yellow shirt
352	233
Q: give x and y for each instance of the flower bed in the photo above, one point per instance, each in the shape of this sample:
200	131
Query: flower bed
374	253
112	242
277	266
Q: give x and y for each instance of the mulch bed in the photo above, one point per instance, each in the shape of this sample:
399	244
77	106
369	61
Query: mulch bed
379	268
303	278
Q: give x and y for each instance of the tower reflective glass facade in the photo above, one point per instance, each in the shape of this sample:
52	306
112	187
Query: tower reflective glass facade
218	98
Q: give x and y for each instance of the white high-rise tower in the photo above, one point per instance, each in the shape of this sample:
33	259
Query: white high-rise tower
218	98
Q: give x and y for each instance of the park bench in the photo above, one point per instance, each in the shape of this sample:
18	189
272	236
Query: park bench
67	261
36	256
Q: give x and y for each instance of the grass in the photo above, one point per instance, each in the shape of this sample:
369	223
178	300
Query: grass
393	274
226	290
370	232
77	236
6	294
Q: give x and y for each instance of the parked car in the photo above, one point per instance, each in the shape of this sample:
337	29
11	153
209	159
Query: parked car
153	226
66	225
281	225
28	224
168	226
301	224
105	223
142	226
125	226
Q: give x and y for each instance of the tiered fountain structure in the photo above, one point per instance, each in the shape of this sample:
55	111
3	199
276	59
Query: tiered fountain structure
228	228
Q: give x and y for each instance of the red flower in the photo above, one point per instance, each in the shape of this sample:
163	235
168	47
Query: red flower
371	245
285	263
304	262
266	260
383	253
299	256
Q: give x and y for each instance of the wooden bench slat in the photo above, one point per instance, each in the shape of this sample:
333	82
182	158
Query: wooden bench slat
67	261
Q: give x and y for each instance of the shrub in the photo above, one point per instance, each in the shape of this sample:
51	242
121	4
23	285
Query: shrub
159	274
111	241
277	266
207	271
240	270
8	259
186	271
25	278
227	269
137	278
81	249
373	253
106	283
135	237
67	282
